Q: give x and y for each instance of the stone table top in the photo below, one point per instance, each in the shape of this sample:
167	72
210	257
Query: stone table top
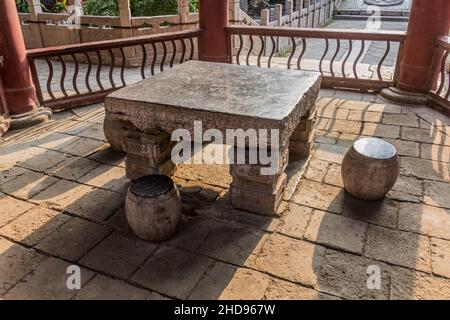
223	96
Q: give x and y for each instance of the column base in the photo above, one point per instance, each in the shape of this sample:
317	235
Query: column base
29	119
404	97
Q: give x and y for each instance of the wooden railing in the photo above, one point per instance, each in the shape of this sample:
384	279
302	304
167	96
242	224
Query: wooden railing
440	88
76	75
337	53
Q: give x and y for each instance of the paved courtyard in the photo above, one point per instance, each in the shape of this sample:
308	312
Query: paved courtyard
62	193
361	4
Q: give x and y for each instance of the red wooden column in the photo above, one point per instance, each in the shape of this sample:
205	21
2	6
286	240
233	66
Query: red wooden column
213	20
19	90
428	20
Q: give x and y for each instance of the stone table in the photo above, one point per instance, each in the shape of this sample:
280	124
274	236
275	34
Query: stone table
140	120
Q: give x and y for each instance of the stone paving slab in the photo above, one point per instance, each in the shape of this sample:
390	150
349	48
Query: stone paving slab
440	256
73	239
28	184
81	200
284	290
106	288
294	259
107	177
319	196
382	213
408	284
232	243
172	272
398	247
424	219
47	282
436	194
336	231
118	255
295	222
10	174
333	276
33	225
227	282
11	208
16	262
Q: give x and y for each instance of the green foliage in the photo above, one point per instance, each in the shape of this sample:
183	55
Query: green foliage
142	8
101	7
139	8
22	6
60	6
194	5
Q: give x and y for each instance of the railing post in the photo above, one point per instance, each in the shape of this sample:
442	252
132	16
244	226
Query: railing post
288	7
299	8
183	12
278	13
319	22
125	18
126	23
308	7
265	17
36	9
235	11
20	93
213	43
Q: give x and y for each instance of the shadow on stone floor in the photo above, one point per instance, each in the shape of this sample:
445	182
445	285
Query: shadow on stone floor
80	224
390	235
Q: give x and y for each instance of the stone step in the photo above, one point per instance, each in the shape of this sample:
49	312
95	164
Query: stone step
383	12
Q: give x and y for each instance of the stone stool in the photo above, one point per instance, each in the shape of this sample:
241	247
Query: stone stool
153	207
370	168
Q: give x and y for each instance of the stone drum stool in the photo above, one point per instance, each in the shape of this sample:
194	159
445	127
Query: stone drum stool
370	168
153	207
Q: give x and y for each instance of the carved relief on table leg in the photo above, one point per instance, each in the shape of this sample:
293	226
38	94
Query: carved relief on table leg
148	153
256	192
114	130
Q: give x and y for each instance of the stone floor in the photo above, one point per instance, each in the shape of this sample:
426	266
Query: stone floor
61	204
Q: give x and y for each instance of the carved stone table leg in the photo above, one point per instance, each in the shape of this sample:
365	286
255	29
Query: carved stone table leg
257	193
302	140
148	153
114	130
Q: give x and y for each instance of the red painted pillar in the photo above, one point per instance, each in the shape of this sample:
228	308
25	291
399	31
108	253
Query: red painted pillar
19	89
213	20
428	20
